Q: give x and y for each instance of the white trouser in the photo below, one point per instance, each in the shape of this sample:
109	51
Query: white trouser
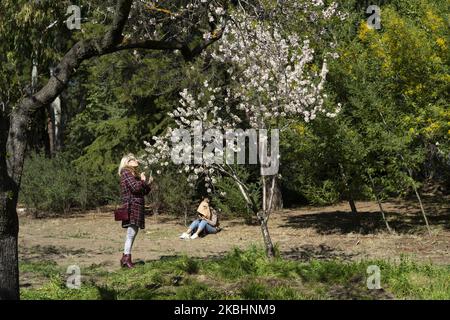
131	235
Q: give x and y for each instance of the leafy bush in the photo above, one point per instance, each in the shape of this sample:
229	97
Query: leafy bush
229	200
48	184
322	195
55	185
172	193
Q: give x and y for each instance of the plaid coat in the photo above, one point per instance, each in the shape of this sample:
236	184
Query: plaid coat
132	192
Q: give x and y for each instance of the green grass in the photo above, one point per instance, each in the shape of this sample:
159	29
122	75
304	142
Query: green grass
243	275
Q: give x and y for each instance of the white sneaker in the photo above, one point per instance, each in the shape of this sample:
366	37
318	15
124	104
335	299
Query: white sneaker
194	236
184	235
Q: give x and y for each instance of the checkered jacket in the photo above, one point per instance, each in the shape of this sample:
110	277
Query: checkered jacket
132	192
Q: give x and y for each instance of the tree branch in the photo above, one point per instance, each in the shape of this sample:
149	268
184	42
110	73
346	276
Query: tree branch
83	50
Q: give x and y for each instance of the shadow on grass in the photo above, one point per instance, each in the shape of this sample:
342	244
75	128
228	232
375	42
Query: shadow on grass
367	222
321	252
49	252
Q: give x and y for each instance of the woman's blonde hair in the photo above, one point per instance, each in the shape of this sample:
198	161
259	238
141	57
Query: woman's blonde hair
124	163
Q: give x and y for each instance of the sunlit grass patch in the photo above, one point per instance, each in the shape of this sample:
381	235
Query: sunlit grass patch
244	274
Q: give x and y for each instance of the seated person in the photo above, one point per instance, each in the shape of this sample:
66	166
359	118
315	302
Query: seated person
207	222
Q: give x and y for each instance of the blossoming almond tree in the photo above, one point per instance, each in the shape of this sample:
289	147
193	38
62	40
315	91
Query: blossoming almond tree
271	82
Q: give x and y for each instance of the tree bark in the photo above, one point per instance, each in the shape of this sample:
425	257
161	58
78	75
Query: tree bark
263	216
353	206
375	192
9	225
270	251
422	210
356	217
57	116
9	266
51	131
277	199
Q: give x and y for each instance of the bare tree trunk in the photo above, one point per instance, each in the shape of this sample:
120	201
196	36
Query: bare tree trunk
263	216
414	187
9	226
9	270
422	210
356	217
51	130
383	214
352	205
351	201
418	198
277	198
270	251
379	204
54	122
57	116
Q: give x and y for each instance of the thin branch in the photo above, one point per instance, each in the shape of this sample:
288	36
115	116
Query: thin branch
379	203
408	169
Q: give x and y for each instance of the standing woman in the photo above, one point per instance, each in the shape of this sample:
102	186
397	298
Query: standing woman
133	188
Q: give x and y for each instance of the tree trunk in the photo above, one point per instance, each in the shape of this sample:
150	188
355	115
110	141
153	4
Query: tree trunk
422	210
277	198
356	217
57	115
54	122
9	270
51	131
383	215
353	206
270	252
375	192
9	226
263	216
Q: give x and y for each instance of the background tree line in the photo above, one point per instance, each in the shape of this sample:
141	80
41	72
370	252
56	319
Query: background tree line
392	134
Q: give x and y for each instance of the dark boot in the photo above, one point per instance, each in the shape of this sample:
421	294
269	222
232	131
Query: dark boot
127	261
122	260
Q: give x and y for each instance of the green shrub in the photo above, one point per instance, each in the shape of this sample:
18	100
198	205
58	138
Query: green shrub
172	193
324	194
56	185
229	200
48	184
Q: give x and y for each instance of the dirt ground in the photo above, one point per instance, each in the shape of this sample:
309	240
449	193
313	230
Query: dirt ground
304	233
